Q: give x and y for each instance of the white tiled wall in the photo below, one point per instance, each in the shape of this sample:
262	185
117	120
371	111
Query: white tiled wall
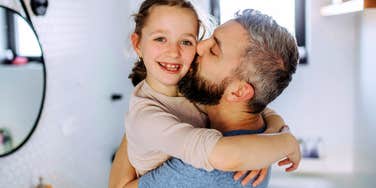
84	43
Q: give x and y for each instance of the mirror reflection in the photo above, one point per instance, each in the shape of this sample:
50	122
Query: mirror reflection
22	80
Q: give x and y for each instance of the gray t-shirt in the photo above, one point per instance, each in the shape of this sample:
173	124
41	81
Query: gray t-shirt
174	173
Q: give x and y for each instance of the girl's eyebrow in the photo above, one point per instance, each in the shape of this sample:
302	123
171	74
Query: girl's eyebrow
164	32
190	34
157	32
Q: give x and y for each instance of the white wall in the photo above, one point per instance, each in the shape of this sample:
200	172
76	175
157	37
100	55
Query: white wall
365	140
320	101
80	127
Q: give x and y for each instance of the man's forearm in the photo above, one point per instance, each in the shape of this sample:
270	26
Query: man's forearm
248	152
122	172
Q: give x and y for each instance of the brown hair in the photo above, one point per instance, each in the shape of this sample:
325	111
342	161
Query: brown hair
139	70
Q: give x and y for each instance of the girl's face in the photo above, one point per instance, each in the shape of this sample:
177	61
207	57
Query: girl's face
167	44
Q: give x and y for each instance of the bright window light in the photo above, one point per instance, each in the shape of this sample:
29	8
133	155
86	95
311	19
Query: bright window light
27	43
283	11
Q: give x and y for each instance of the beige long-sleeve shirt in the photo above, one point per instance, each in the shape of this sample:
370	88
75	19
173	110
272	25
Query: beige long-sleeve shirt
158	127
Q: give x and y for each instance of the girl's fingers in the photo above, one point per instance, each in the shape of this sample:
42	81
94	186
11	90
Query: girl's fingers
239	174
284	162
291	168
250	176
261	177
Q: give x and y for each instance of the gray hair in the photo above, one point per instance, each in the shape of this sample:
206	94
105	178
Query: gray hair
270	59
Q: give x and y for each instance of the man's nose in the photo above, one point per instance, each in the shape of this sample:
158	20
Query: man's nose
203	46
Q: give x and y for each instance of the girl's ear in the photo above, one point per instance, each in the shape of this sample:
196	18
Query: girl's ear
241	91
135	38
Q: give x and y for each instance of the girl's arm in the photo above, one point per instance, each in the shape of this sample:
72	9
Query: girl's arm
273	121
152	128
248	152
206	148
122	172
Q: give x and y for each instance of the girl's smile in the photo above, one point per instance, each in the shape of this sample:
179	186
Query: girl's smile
171	68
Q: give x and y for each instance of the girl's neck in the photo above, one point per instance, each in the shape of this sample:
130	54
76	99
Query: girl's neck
168	90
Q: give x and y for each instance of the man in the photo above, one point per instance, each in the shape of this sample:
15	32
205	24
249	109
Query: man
245	65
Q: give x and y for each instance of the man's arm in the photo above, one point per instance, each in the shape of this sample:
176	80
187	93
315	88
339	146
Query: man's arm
248	152
122	172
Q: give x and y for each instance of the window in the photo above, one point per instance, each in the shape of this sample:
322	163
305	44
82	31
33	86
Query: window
288	13
27	44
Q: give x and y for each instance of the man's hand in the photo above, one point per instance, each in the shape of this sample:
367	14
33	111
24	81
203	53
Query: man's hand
259	174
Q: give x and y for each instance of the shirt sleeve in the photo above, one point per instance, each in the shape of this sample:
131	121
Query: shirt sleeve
157	130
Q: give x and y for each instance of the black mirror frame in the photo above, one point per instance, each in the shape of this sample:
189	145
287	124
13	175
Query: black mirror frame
44	83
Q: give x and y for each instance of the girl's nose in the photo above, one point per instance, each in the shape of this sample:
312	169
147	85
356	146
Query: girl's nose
173	50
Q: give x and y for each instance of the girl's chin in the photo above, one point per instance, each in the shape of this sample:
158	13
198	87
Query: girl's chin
170	83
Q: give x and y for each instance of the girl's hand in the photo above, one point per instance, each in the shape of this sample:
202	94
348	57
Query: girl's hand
292	159
258	174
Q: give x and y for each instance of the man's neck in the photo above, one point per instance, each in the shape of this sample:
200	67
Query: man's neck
227	118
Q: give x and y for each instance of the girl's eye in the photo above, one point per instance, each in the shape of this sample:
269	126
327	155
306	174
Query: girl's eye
160	39
187	43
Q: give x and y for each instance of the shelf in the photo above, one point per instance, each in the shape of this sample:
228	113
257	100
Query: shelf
347	7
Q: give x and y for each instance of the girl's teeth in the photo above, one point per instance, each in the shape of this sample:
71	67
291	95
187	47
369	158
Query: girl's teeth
170	66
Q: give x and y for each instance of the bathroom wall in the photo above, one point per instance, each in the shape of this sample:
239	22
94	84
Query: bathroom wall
365	140
84	44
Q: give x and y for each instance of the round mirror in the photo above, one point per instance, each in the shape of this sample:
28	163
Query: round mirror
22	81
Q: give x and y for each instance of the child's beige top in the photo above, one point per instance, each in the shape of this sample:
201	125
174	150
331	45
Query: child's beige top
158	127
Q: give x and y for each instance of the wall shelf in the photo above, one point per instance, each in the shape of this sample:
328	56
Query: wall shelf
347	7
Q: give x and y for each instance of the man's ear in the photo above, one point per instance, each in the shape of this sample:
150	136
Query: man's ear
240	91
135	38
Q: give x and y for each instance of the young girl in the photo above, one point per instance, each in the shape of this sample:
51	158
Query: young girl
161	124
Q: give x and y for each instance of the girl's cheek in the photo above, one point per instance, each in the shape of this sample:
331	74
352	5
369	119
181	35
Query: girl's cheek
190	51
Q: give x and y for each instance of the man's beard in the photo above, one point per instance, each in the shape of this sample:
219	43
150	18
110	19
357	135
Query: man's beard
197	89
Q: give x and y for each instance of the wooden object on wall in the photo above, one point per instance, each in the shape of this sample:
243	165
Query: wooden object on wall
347	7
369	4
